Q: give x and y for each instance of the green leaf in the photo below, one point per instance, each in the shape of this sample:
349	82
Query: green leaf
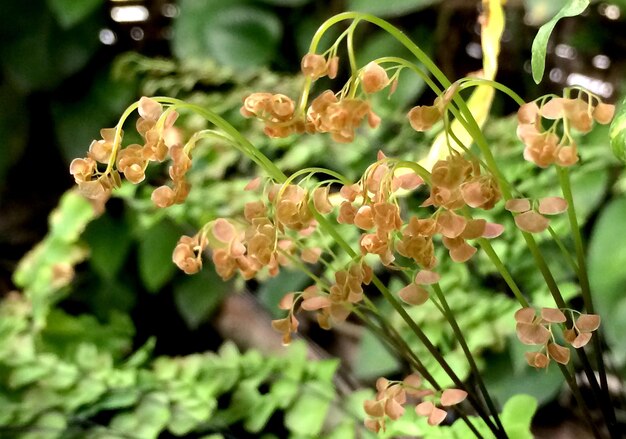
540	43
306	416
517	415
155	254
389	8
373	359
109	240
607	258
233	33
103	102
70	12
197	296
617	132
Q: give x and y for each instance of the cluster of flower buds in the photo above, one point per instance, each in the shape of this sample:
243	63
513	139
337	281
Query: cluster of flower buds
545	147
536	329
277	111
339	116
392	396
187	254
530	220
160	139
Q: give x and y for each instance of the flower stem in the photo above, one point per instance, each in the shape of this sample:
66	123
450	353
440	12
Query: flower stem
468	354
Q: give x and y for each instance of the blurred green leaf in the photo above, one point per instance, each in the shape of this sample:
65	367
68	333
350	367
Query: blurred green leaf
70	12
197	296
540	43
286	3
607	258
156	245
389	8
41	59
103	102
234	33
517	415
109	240
13	128
373	359
617	132
306	416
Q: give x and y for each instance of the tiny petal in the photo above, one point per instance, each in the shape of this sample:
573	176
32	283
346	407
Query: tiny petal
223	230
427	277
452	396
462	253
413	380
374	408
581	339
588	322
315	303
537	359
321	201
552	205
286	302
554	108
423	118
493	230
474	229
424	408
517	205
558	353
437	416
527	113
382	383
253	184
531	222
413	294
603	113
311	255
532	334
552	315
393	409
149	108
525	315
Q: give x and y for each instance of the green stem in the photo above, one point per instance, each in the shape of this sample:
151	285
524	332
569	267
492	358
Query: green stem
571	381
394	339
468	354
435	353
504	272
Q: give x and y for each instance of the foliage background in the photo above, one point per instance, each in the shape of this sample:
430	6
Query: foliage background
60	85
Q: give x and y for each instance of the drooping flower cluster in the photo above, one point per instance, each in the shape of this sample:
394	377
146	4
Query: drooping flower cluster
536	329
545	147
337	114
393	395
160	140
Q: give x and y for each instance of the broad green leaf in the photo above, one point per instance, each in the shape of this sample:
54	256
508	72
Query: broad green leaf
197	296
70	12
234	33
109	240
540	43
307	415
617	132
607	258
389	8
517	415
104	102
155	255
373	359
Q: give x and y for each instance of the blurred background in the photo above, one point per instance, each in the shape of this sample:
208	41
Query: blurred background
70	68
